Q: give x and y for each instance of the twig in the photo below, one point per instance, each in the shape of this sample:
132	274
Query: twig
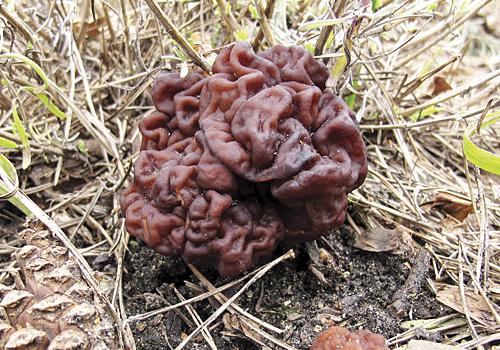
268	13
228	17
216	314
462	89
326	31
197	298
126	31
483	251
461	288
197	319
221	298
427	122
177	36
265	27
444	34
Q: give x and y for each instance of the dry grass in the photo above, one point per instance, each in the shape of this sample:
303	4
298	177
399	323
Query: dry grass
418	72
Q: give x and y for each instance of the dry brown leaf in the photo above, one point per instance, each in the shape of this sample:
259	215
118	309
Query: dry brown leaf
92	28
249	332
231	323
477	307
378	239
451	204
440	86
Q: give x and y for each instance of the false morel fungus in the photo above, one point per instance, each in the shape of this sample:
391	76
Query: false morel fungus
233	163
339	338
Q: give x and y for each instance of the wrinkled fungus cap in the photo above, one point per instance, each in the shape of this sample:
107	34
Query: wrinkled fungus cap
339	338
234	163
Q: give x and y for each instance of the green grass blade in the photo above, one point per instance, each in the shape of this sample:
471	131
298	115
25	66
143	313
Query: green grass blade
19	129
320	23
33	65
339	67
424	113
14	200
6	143
51	106
8	168
9	185
476	155
350	99
376	4
241	35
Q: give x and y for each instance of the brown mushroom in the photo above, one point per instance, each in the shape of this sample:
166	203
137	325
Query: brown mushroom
340	338
234	163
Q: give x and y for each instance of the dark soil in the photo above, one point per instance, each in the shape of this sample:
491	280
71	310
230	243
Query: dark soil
357	291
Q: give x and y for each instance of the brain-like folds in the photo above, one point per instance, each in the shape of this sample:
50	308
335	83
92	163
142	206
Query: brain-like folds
232	164
339	338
